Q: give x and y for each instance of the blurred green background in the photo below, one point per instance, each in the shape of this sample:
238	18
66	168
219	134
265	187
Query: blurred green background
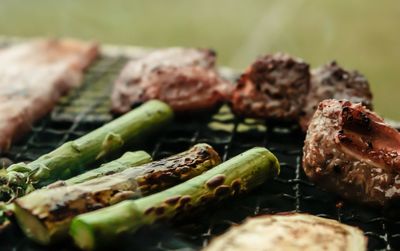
360	34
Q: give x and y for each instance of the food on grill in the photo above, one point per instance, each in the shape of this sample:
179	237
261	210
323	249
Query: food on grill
353	152
76	155
237	175
274	87
290	232
331	81
33	76
6	212
44	215
186	88
128	160
182	77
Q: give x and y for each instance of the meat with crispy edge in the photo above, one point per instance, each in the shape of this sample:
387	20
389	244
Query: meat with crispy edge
187	88
331	81
274	87
351	151
290	232
33	76
150	72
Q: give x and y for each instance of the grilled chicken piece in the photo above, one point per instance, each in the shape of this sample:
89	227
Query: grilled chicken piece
331	81
353	152
273	87
183	78
33	76
290	232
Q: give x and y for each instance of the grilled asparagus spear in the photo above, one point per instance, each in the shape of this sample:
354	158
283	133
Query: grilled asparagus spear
128	160
44	215
76	155
237	175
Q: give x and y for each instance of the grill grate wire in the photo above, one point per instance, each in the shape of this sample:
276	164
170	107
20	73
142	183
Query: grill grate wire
87	108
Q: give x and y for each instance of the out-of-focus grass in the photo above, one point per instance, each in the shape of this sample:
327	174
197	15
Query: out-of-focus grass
360	34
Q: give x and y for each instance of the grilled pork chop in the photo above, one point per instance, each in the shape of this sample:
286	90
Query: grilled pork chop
273	87
33	76
186	88
291	232
331	81
184	78
353	152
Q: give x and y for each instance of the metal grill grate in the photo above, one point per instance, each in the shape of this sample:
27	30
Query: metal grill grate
87	108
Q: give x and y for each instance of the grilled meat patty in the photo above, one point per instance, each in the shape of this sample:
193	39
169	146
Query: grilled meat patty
33	76
353	152
290	232
331	81
182	77
274	87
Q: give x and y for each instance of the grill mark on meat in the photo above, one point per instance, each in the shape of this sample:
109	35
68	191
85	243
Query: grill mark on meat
331	81
351	151
273	87
183	78
33	76
364	131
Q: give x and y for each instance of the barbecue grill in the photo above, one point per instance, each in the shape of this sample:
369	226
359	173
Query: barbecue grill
87	108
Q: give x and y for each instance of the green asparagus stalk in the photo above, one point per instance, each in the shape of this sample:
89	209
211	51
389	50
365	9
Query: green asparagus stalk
237	175
77	155
44	215
128	160
6	211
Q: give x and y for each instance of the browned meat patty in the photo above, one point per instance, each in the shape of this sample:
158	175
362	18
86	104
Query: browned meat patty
274	87
290	232
331	81
33	76
150	72
351	151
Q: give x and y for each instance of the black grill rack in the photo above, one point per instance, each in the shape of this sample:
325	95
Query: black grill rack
87	108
